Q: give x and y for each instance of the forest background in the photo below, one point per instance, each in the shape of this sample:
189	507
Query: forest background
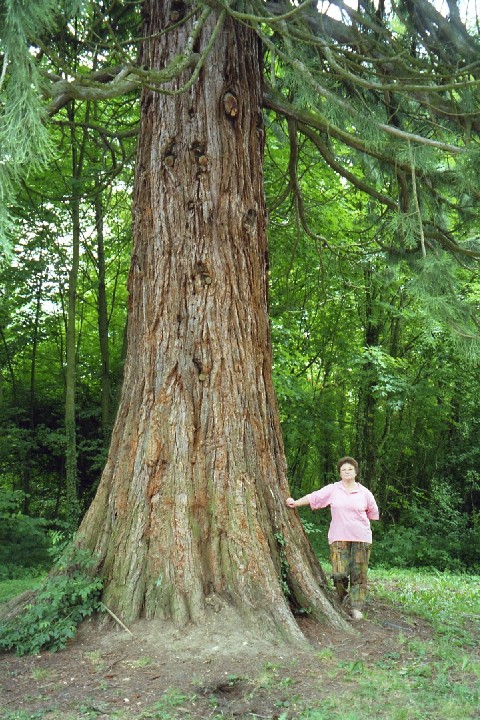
375	344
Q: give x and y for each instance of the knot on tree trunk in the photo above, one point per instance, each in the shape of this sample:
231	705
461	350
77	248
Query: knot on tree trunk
230	104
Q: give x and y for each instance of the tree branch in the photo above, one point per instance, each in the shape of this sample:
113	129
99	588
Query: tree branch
321	146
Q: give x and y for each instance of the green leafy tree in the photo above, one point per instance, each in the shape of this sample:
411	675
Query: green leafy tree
191	502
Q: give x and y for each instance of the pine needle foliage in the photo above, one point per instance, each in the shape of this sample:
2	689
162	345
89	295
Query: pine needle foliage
442	293
385	94
25	141
23	136
377	80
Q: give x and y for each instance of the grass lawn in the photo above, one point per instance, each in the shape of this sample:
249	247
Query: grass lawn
422	665
11	588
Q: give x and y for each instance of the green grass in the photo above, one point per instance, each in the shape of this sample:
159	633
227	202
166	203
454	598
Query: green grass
22	715
423	682
420	676
165	708
11	588
435	679
450	601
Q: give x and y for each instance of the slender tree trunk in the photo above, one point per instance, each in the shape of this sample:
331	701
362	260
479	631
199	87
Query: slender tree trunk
71	474
9	365
191	505
367	404
70	381
106	390
27	466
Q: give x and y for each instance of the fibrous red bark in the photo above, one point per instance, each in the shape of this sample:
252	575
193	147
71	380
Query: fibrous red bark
191	505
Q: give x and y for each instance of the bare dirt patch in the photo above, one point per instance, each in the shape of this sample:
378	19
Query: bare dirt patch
207	672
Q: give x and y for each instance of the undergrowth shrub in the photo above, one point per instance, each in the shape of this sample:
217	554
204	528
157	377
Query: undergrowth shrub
69	594
316	527
24	542
433	531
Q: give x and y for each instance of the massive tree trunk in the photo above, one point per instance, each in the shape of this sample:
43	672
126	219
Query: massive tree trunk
191	505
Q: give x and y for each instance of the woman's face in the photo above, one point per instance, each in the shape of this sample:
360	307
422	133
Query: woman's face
348	472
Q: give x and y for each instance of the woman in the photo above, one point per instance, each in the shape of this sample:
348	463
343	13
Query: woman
352	506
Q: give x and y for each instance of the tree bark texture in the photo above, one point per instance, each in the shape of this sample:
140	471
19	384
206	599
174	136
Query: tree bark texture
191	505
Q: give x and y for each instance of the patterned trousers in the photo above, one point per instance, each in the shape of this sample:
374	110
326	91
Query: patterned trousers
350	564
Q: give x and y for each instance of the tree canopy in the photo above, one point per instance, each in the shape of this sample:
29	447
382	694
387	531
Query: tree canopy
386	95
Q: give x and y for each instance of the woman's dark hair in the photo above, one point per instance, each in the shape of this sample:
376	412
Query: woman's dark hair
345	460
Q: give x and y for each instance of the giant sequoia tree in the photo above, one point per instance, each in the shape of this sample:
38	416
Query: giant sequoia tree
190	508
191	505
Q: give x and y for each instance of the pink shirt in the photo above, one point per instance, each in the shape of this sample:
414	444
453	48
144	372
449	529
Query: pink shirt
351	512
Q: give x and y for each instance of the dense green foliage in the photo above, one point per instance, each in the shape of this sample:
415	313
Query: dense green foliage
374	285
418	376
367	363
24	543
68	595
